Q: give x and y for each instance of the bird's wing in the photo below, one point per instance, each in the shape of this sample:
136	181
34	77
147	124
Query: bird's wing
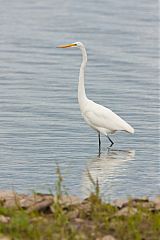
103	117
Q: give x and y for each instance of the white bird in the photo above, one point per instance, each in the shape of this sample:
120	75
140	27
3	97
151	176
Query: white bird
98	117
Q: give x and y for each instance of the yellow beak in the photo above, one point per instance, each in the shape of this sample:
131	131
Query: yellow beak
67	45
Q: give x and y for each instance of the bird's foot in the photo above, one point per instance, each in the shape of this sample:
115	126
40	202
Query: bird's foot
110	142
111	145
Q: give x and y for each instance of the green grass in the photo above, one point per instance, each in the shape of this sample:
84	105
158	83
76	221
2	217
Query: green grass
97	219
91	219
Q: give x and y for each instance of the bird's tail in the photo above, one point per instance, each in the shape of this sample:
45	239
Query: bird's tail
129	129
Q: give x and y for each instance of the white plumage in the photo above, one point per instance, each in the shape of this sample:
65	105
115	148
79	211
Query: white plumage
103	119
98	117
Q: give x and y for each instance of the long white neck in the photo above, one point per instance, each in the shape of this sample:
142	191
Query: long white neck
81	88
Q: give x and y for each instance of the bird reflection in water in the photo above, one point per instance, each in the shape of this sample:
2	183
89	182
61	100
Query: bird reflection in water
109	169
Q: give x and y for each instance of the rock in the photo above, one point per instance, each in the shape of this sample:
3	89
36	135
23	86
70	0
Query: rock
157	207
126	211
31	200
107	237
85	207
2	237
137	201
6	194
120	203
79	220
142	199
42	206
156	202
87	224
156	199
144	202
10	199
28	201
35	202
67	201
149	205
73	214
4	219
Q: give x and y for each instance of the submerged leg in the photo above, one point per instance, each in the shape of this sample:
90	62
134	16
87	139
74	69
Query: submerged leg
110	141
99	138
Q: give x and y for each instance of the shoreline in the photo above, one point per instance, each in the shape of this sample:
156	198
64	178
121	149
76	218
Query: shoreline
46	216
11	199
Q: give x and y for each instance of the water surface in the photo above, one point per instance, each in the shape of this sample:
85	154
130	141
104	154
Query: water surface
40	121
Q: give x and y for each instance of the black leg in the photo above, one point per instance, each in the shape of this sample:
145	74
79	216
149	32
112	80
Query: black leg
110	141
99	138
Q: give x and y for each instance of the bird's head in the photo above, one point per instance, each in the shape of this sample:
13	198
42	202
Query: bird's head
76	44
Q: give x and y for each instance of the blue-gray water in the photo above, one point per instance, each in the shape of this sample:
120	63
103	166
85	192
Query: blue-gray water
40	121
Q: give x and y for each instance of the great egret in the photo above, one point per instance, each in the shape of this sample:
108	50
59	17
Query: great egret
98	117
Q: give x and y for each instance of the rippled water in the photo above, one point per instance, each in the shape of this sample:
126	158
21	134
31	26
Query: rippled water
40	122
